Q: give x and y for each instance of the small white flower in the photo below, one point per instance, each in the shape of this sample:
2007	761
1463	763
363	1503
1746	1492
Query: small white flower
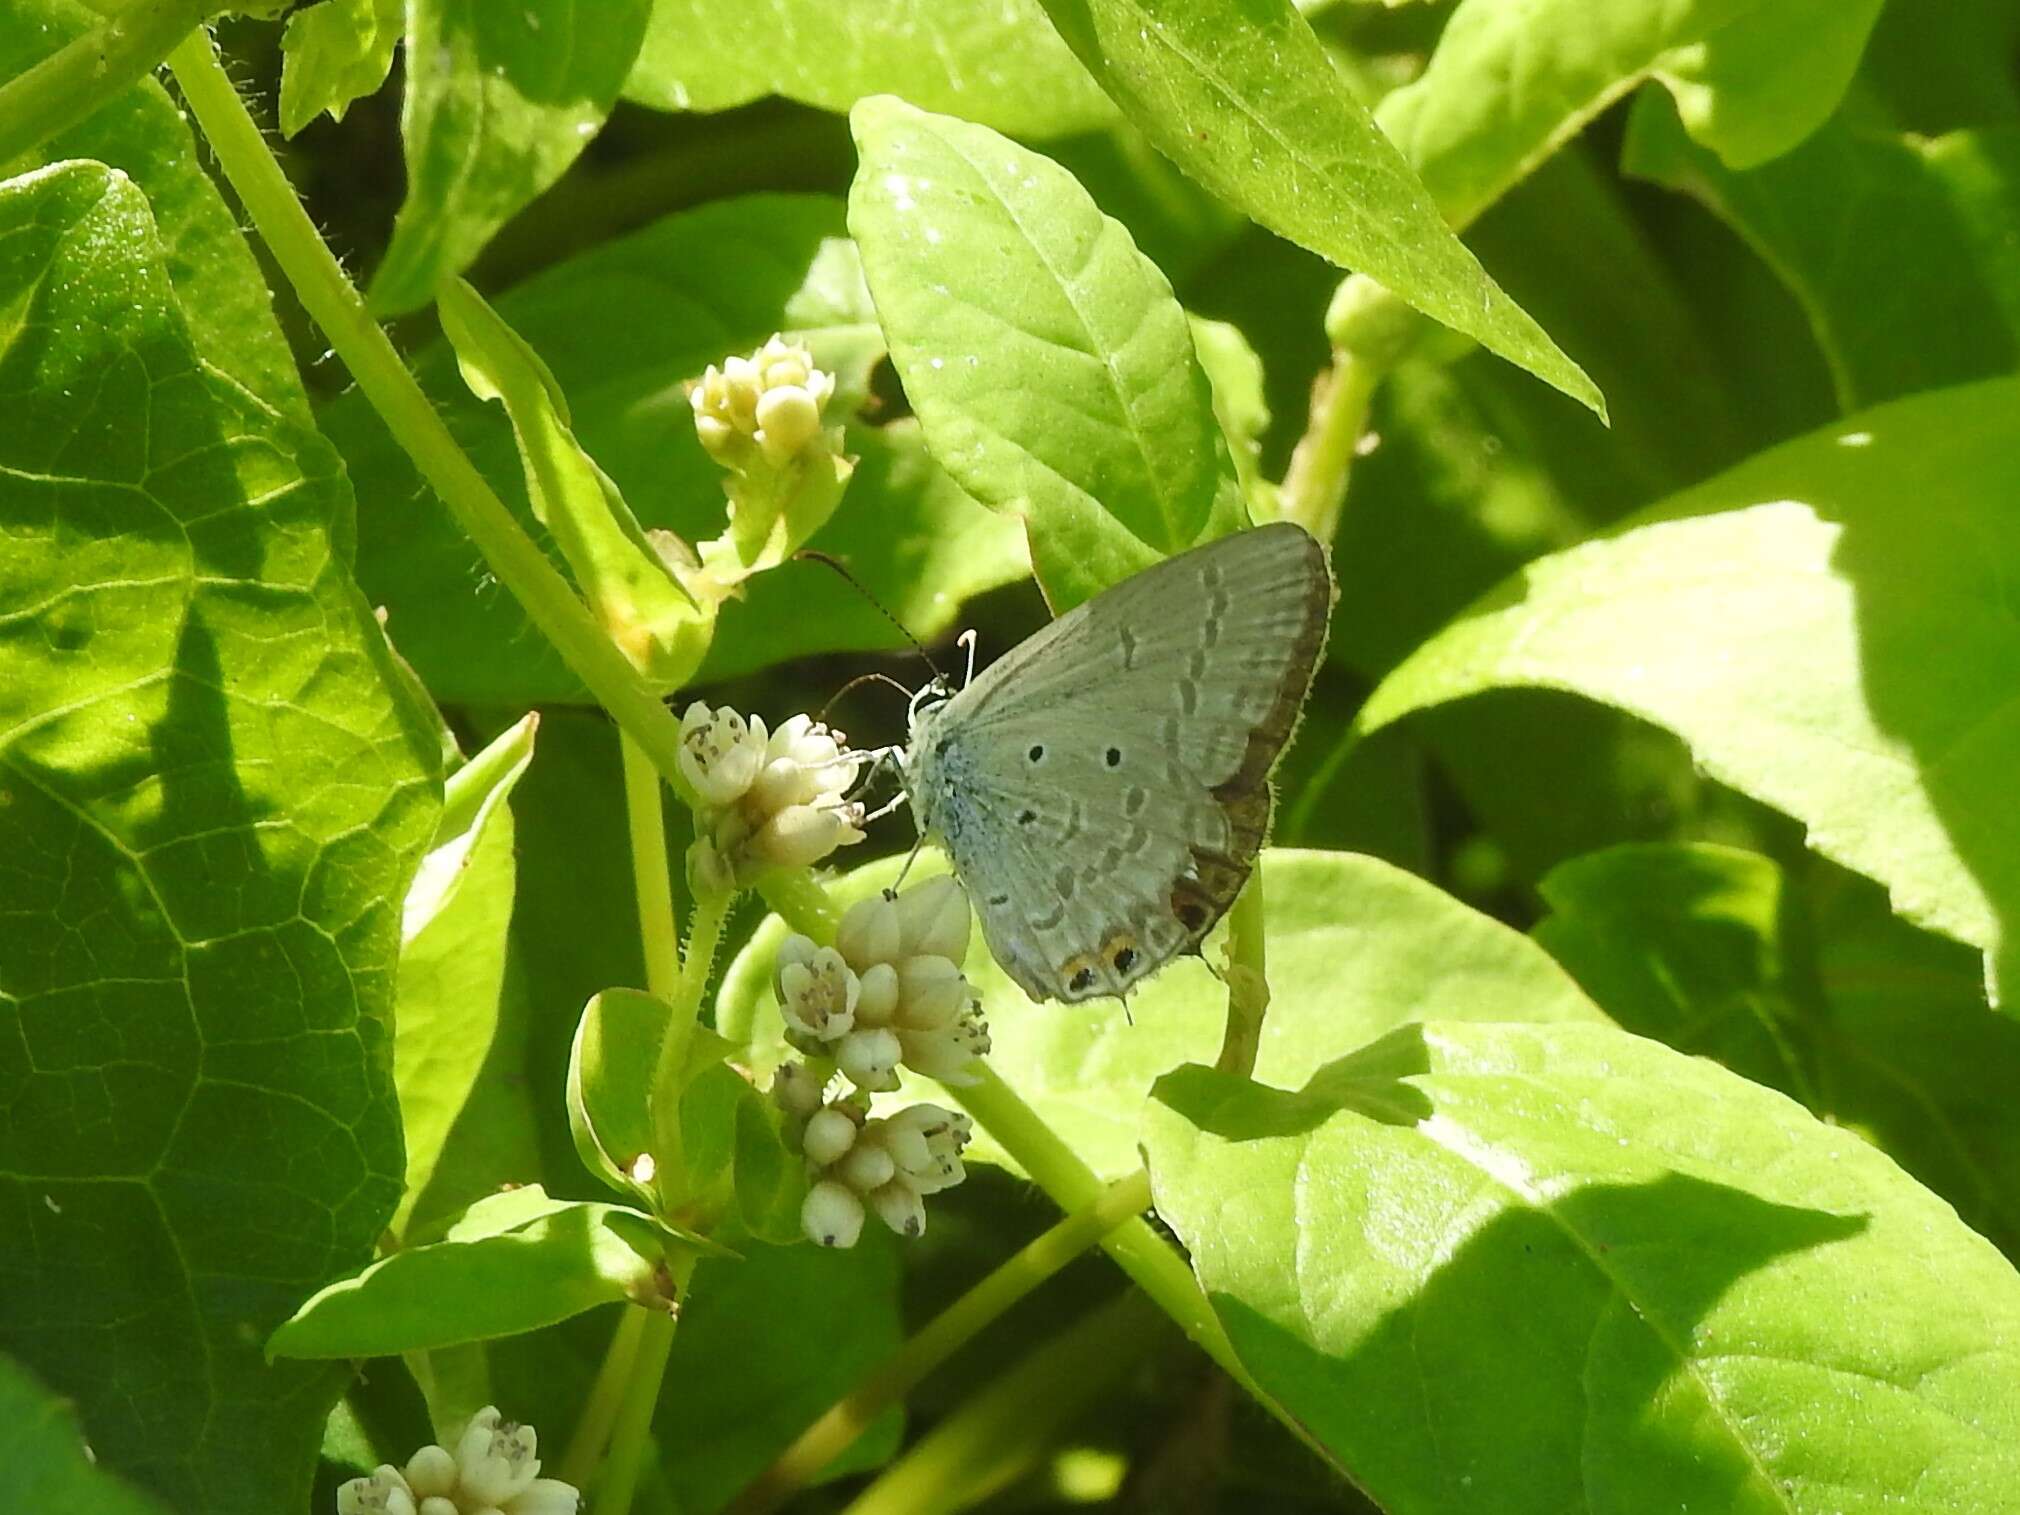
832	1215
801	835
439	1504
816	992
720	752
384	1493
931	993
868	1165
545	1496
926	1142
494	1459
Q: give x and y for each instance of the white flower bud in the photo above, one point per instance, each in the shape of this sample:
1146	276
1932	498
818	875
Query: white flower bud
832	1215
934	920
869	933
897	1205
439	1504
931	992
384	1493
787	419
868	1166
432	1470
870	1058
494	1459
877	1001
801	835
829	1135
795	1090
947	1052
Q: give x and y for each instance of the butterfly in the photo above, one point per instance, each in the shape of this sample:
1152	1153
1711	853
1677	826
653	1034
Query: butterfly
1103	789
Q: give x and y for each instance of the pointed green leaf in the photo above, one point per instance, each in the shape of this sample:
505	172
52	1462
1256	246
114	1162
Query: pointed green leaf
458	1055
1242	96
1560	1270
1355	946
214	801
515	1262
651	618
992	61
500	100
1051	368
1828	628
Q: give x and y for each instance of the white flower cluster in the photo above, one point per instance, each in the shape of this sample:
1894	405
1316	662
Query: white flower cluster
492	1472
769	403
766	800
889	992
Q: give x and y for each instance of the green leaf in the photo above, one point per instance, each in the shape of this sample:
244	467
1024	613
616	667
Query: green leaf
1560	1269
500	100
1904	251
610	1071
333	53
44	1464
709	283
214	801
1356	947
1045	356
992	61
651	618
1871	1024
514	1262
1827	627
226	307
1241	95
1508	85
458	1055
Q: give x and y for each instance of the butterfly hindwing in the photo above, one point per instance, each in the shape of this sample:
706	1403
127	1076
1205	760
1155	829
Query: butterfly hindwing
1103	789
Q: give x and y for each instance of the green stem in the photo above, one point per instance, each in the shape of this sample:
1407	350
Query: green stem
71	83
633	1431
794	896
339	310
999	1435
652	874
1315	487
827	1438
1248	989
606	1397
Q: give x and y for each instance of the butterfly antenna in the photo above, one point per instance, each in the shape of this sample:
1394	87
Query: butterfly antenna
861	678
903	630
967	639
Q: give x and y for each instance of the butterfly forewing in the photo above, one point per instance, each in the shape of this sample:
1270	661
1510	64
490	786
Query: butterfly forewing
1103	789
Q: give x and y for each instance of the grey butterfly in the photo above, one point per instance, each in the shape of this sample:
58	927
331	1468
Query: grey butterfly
1103	789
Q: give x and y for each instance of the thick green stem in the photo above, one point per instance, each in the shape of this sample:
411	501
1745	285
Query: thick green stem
606	1397
74	81
339	310
794	896
652	876
1315	487
1248	989
633	1432
831	1435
